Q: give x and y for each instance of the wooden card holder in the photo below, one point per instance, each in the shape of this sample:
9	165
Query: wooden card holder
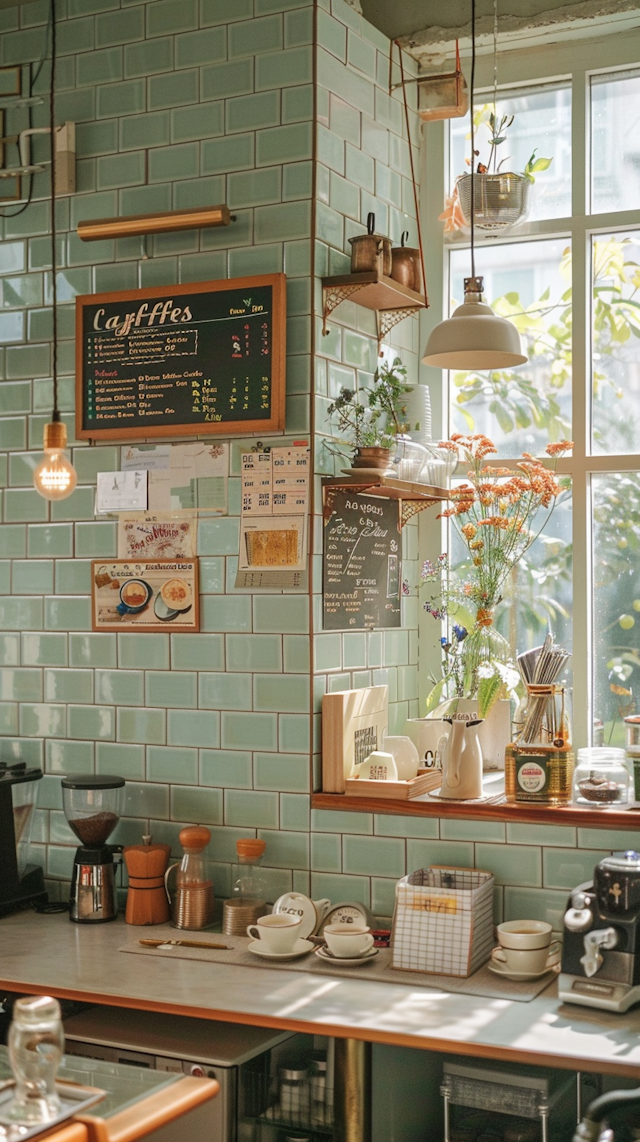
426	780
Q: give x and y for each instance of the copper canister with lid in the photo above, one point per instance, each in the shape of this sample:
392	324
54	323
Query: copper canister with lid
405	265
371	252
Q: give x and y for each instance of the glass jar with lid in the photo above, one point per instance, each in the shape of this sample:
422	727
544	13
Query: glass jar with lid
248	898
601	778
539	760
36	1045
295	1093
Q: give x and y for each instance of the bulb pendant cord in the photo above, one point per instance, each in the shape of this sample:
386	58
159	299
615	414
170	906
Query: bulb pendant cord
54	275
473	135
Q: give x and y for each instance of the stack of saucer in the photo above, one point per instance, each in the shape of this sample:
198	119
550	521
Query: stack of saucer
239	912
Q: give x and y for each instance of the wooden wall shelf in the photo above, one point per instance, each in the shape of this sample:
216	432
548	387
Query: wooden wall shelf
414	497
391	301
572	815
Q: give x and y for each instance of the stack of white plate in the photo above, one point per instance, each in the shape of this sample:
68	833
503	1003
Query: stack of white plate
418	406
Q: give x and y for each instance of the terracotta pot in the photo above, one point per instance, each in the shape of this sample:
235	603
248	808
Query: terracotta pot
372	458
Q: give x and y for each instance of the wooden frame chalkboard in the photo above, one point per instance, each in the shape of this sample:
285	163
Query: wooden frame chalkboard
206	357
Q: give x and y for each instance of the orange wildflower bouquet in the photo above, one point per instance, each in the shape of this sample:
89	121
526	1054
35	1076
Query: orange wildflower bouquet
496	514
494	511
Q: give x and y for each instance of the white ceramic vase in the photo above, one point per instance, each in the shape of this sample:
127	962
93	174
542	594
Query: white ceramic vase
494	734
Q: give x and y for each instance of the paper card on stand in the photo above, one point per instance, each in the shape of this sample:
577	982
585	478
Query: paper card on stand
158	535
121	491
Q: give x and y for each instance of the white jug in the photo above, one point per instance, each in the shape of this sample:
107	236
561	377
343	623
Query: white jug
461	760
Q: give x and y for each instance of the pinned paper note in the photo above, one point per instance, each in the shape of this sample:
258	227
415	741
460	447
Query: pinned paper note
274	519
183	476
121	491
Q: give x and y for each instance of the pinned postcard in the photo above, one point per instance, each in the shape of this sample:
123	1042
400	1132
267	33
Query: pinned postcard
157	535
121	491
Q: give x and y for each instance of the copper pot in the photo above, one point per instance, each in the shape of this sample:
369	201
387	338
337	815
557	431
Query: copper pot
405	265
370	252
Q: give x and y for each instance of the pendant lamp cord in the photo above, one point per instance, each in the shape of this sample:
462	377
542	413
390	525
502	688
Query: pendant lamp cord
473	135
54	276
495	57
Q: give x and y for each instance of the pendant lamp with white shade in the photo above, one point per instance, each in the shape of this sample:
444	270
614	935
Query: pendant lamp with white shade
474	337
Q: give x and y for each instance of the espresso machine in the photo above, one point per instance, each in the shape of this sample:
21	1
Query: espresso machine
601	948
92	805
20	881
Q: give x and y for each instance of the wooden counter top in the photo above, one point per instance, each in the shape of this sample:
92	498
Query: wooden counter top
50	955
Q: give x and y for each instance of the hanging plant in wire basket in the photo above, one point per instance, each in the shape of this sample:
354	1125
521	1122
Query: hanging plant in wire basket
498	198
501	197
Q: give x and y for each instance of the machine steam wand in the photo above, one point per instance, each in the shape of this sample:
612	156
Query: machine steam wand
589	1129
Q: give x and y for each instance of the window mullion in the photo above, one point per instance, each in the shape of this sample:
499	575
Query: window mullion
580	415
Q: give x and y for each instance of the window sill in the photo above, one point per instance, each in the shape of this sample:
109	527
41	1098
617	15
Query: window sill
572	815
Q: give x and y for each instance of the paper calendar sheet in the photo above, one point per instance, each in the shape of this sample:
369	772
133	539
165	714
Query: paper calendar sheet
273	525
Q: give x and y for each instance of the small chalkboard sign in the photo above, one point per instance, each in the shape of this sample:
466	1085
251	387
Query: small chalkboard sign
208	357
361	563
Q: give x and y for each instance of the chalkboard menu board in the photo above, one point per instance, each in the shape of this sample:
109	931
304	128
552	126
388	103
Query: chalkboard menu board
361	563
208	357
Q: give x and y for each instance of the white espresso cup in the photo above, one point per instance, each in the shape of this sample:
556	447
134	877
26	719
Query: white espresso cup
531	960
278	932
526	946
523	935
346	942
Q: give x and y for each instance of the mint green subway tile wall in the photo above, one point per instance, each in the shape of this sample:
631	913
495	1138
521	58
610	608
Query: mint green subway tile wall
363	162
180	106
176	106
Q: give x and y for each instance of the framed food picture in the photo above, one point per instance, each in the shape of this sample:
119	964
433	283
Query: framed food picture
138	595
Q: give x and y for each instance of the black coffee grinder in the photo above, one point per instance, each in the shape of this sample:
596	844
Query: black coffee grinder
92	805
20	882
601	949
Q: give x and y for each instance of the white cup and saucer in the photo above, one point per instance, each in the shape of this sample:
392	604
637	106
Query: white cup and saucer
347	945
277	937
526	950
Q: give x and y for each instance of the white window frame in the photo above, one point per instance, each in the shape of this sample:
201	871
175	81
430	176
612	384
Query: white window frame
573	61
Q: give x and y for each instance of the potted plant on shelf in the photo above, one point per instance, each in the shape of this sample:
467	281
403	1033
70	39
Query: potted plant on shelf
494	514
501	198
370	419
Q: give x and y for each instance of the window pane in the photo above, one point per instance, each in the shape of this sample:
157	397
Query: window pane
615	155
542	123
521	409
616	343
616	599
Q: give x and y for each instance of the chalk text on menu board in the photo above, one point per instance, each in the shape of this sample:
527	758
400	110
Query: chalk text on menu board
198	357
361	563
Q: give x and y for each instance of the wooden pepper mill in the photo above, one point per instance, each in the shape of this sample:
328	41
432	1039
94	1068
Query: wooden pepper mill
146	899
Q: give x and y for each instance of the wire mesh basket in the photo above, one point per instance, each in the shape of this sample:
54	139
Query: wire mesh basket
500	200
287	1100
443	921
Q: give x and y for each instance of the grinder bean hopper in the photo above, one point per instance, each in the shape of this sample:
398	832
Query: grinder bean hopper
92	805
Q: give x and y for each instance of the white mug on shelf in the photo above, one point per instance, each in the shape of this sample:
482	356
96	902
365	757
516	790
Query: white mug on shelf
405	756
378	766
